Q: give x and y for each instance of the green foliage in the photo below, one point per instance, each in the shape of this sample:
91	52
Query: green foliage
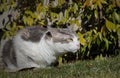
102	28
99	20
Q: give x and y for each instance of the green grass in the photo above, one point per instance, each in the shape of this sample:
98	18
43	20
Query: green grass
105	68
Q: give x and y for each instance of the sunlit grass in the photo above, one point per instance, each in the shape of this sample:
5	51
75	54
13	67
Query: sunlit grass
105	68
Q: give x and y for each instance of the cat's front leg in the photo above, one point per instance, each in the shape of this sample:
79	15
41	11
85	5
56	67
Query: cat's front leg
41	67
51	60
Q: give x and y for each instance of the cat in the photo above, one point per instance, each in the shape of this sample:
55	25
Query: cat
38	47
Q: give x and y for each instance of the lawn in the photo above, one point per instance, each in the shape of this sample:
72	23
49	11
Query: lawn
102	68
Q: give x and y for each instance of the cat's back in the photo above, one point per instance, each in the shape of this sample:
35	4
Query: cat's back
32	33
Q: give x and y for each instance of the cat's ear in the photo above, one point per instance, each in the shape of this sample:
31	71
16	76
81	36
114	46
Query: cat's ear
48	35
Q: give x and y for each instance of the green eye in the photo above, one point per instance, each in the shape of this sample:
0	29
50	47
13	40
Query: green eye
70	39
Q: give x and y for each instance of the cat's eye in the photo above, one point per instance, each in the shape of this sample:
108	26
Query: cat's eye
70	39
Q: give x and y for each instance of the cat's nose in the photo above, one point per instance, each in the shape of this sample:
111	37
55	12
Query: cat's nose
78	45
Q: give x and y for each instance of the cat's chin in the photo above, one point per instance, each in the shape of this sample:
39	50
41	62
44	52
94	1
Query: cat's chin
74	51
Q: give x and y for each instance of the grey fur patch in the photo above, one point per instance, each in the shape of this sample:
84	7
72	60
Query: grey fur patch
66	32
33	33
60	40
8	53
61	35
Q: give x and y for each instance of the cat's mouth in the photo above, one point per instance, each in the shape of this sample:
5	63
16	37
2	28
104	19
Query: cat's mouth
75	50
78	46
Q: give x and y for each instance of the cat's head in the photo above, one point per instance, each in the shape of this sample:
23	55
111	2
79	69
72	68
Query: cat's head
63	39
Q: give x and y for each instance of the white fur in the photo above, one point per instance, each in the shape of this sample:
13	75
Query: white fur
43	53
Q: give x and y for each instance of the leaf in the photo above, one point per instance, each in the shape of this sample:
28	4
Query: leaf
94	1
77	22
118	29
95	31
38	9
30	13
63	20
8	27
99	4
88	53
30	21
98	41
11	33
60	59
61	2
86	4
116	16
110	26
104	1
7	34
82	39
100	35
106	43
3	7
96	14
103	31
66	14
20	26
60	16
25	19
41	23
53	15
75	7
118	3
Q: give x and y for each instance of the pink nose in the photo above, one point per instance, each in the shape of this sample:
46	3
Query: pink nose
78	45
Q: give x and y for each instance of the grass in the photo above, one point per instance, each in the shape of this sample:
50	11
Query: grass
105	68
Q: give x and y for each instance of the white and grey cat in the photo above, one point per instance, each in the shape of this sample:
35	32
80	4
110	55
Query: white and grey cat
38	47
